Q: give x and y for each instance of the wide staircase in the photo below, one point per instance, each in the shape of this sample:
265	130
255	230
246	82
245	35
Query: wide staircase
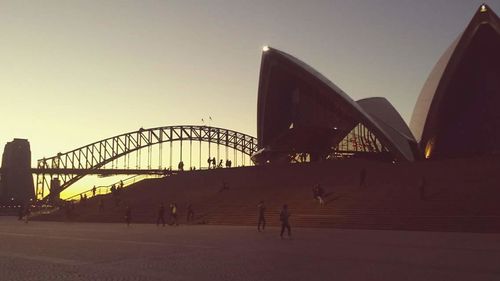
460	195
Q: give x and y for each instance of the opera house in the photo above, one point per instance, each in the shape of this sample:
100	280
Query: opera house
304	117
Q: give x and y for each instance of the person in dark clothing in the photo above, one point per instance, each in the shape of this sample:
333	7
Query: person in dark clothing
128	215
21	212
68	210
421	189
318	192
362	178
321	193
94	189
161	215
224	186
27	213
190	213
262	219
284	218
101	205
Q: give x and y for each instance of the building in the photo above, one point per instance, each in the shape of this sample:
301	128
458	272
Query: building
302	116
16	182
457	113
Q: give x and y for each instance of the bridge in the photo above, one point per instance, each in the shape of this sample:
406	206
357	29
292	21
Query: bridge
125	154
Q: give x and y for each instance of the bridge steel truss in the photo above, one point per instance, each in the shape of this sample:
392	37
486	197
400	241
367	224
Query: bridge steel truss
71	166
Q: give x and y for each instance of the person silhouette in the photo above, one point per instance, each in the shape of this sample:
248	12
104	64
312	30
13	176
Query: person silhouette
362	178
173	214
284	218
262	219
128	215
161	215
190	213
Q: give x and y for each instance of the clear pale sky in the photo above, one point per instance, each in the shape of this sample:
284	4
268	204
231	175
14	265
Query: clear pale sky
74	72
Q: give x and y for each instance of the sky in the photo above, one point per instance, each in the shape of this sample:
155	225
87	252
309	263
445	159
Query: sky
75	72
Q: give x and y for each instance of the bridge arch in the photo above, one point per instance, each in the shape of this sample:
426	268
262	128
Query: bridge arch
94	156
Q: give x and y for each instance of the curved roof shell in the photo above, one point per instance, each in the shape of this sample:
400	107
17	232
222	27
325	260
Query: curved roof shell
285	81
460	94
388	118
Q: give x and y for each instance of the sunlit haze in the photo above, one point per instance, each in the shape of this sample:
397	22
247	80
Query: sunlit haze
75	72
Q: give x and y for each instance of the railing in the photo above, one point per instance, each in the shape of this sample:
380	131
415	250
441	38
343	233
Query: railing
106	189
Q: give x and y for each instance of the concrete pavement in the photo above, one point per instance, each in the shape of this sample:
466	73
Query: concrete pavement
93	251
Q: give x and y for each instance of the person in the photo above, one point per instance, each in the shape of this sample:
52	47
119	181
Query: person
362	178
421	189
262	219
173	214
67	210
128	215
161	215
220	164
318	194
190	213
27	213
180	167
94	189
214	163
21	212
224	186
209	161
116	195
121	184
101	205
284	218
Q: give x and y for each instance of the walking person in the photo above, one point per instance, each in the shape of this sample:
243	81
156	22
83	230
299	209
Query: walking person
27	214
262	219
421	189
94	189
161	215
224	186
128	215
284	218
101	205
318	192
173	214
362	178
21	212
190	213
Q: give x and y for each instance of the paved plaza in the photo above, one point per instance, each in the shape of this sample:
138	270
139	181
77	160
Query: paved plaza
92	251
